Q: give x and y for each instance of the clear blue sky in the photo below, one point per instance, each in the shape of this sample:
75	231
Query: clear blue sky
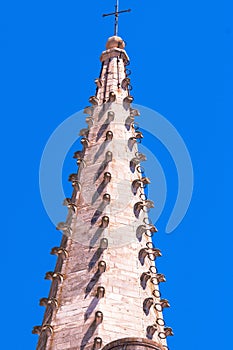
181	61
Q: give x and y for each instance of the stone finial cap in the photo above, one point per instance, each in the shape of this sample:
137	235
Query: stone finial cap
115	41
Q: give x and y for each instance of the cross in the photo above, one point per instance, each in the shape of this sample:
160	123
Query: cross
116	14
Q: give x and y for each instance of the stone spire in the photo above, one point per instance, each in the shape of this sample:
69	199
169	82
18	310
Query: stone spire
105	286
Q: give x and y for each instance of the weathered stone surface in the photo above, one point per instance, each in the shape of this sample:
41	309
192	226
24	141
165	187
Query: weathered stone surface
74	321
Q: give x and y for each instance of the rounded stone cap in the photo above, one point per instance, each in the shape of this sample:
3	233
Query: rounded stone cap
115	41
133	344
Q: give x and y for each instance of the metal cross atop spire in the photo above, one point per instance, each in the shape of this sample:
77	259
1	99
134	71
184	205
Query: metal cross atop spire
116	14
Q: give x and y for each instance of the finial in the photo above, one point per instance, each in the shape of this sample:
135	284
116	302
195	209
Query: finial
116	14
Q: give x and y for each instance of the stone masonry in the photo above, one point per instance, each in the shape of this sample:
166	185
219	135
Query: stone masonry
105	286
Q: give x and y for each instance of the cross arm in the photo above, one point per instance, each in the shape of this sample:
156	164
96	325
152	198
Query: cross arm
115	13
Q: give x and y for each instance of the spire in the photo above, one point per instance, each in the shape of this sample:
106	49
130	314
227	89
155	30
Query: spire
105	286
116	14
113	83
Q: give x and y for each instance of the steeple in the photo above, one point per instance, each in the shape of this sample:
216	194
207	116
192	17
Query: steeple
113	84
105	285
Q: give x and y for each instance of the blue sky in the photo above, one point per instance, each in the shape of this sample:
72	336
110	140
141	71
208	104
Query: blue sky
181	61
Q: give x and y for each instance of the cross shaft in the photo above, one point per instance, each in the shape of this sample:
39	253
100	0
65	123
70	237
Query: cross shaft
116	14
